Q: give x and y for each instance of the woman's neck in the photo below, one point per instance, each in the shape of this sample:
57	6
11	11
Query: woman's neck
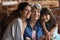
24	24
23	19
32	23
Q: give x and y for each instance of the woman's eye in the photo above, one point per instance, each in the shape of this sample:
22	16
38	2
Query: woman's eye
38	11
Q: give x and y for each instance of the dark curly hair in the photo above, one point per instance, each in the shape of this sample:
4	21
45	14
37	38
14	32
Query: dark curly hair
21	7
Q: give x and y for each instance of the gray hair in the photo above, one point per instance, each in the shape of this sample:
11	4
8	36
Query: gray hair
38	6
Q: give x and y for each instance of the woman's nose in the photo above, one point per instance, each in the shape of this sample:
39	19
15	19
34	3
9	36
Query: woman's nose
36	13
30	11
44	17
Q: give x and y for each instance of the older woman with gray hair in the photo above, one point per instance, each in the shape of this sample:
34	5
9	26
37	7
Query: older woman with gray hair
33	30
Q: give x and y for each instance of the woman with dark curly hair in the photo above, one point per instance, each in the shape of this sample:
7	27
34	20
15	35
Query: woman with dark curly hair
17	26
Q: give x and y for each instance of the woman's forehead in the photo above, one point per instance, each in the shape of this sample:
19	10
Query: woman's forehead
35	8
27	7
46	14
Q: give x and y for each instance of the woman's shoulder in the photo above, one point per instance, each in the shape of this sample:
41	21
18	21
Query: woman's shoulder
56	35
16	21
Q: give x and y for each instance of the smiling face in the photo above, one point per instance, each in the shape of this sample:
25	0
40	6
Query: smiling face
26	12
46	17
35	13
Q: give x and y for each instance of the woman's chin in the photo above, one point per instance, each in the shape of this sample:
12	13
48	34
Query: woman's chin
36	18
46	20
28	16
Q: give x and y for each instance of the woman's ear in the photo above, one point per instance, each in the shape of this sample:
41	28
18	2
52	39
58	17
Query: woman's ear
20	12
